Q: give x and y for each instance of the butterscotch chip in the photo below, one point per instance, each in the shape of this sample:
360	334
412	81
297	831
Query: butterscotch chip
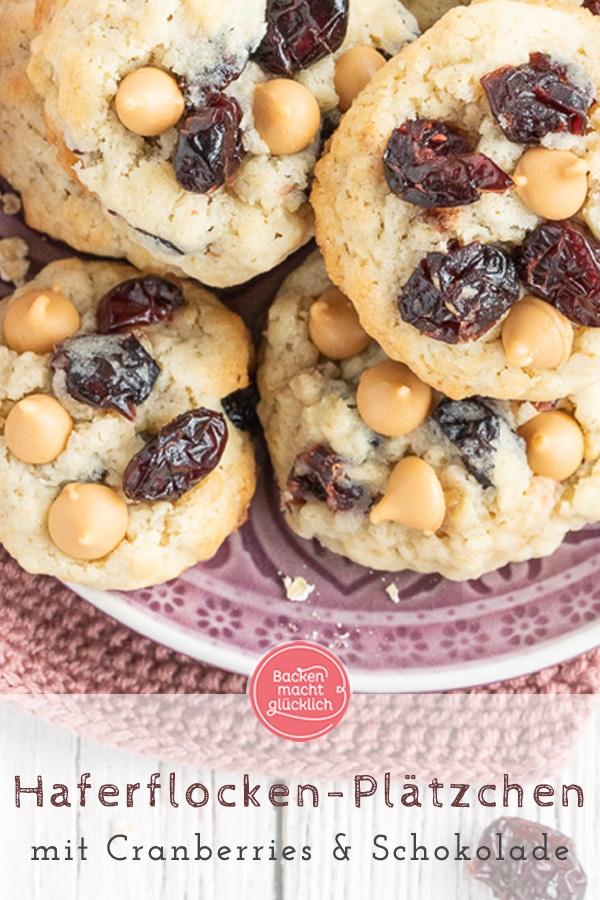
286	115
334	327
88	521
149	101
552	183
391	399
413	497
555	444
353	71
37	429
536	334
37	320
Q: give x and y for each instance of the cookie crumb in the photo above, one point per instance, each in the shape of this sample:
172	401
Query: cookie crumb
11	204
393	593
14	264
297	589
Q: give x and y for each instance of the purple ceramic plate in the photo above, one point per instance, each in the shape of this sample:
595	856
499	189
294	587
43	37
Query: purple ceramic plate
435	635
438	635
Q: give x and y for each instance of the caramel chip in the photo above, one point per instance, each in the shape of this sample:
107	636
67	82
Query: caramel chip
534	333
39	319
37	429
87	521
286	115
149	101
334	327
391	399
552	183
414	497
555	444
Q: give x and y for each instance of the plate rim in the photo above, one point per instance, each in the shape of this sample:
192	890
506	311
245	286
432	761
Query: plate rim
431	679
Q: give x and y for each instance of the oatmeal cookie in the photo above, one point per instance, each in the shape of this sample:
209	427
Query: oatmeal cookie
198	124
53	201
465	178
119	466
378	467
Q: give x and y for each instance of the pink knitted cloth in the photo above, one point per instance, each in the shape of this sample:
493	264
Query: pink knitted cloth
64	661
55	642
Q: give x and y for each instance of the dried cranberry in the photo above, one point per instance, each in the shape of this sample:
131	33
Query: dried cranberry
106	371
300	33
139	301
321	473
178	457
209	147
544	876
240	406
560	262
473	428
430	164
593	6
539	97
459	295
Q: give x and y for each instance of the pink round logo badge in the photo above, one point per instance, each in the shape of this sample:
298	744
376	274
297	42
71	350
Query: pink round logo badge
299	691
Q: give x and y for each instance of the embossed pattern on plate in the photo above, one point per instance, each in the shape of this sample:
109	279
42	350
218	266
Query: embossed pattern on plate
439	635
237	601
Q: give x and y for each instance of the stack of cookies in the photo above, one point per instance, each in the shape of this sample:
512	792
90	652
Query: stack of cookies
181	137
441	365
428	385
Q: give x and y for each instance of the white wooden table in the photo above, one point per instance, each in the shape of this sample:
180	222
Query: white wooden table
30	746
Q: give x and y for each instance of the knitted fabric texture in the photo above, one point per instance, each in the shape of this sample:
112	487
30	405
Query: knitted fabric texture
56	646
